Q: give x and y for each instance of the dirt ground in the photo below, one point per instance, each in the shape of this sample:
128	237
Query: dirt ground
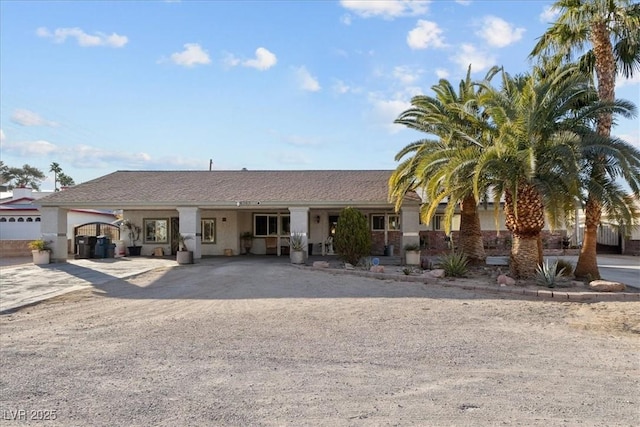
239	344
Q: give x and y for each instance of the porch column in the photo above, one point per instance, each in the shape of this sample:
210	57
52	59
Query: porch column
300	224
53	227
190	228
410	220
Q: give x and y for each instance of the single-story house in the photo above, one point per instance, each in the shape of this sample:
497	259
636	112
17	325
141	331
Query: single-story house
213	208
21	220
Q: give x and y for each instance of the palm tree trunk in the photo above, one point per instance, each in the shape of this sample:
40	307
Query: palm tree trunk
587	266
525	223
524	256
471	242
605	66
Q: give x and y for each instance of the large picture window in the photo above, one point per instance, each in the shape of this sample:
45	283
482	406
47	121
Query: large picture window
208	231
156	230
267	225
377	222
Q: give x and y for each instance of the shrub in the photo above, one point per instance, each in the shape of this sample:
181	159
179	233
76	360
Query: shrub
39	245
412	247
352	240
547	274
565	266
454	264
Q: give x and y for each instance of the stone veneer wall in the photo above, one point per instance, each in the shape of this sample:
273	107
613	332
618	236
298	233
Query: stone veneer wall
14	248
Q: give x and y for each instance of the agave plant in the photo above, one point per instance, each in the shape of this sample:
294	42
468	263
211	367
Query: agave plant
454	264
547	274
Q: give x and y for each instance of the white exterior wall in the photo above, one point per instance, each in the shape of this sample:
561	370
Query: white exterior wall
227	235
32	230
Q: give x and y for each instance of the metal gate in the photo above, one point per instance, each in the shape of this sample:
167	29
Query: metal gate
98	229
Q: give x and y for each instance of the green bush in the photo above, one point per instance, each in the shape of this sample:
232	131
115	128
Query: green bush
454	264
352	240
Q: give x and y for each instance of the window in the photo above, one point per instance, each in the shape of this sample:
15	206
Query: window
38	219
208	230
3	219
12	220
155	230
267	225
393	222
383	222
377	222
437	222
20	219
29	219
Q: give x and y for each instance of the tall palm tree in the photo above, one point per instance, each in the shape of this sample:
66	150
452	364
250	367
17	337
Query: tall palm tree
542	125
429	168
57	170
604	35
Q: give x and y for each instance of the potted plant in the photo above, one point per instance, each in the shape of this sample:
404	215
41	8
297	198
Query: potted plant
247	241
297	248
412	253
133	230
184	256
40	251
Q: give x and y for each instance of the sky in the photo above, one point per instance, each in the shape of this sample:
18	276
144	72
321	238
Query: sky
100	86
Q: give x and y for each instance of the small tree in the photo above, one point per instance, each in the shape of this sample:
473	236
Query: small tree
352	240
26	176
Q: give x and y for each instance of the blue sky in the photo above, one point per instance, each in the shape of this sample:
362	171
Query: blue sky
168	85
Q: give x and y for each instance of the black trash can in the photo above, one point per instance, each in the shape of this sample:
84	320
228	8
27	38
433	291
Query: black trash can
83	250
310	249
102	243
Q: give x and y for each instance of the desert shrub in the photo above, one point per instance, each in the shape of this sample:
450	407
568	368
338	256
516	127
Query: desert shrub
548	274
565	266
454	264
352	240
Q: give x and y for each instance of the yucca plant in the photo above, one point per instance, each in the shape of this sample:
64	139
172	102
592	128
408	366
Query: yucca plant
454	264
547	274
565	266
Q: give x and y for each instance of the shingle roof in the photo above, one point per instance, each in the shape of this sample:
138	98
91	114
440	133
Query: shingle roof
227	188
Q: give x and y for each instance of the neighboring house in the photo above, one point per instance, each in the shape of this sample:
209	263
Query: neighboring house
21	221
213	208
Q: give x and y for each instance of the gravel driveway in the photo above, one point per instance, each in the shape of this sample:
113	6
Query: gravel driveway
241	343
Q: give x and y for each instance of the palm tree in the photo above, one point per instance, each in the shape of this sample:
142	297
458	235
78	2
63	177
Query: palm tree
65	180
458	123
542	128
56	169
610	29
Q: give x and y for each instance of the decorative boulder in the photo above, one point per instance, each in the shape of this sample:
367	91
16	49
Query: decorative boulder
438	273
504	280
606	286
377	269
320	264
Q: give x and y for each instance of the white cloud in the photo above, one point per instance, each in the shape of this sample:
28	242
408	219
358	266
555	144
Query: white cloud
230	60
406	75
621	81
386	111
345	19
426	34
549	14
306	80
478	59
340	87
498	32
60	35
2	135
442	73
192	55
263	60
387	9
464	2
40	148
29	118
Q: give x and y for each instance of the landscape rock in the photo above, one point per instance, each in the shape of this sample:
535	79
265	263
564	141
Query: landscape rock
348	266
377	269
438	273
606	286
320	264
505	280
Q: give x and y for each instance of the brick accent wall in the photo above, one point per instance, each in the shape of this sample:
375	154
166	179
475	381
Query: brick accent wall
632	247
14	248
377	242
